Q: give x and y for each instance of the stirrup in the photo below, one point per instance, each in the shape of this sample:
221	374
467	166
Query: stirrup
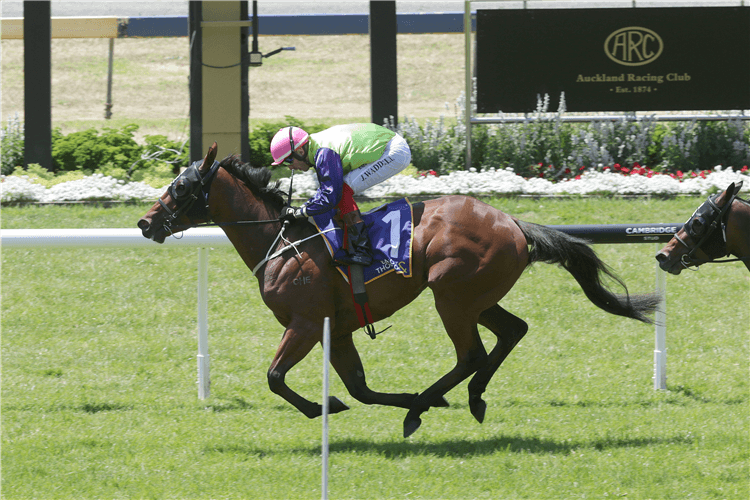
370	330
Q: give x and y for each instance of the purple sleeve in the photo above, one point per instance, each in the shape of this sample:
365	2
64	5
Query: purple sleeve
331	178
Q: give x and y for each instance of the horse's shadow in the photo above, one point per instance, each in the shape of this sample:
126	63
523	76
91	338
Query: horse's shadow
453	448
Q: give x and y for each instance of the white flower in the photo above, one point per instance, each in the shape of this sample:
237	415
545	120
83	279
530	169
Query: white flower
487	182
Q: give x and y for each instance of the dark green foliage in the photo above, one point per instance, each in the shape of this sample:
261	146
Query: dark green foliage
542	146
87	150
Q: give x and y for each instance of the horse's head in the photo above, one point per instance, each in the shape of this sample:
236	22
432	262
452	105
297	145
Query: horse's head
702	238
184	203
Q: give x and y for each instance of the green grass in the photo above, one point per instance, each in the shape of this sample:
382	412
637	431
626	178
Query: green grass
99	397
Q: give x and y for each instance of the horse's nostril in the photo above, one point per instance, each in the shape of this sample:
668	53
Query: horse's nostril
144	225
660	257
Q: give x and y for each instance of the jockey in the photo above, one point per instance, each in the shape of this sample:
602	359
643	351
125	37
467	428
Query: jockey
347	159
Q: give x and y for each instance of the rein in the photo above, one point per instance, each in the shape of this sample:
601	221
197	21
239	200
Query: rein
191	186
291	245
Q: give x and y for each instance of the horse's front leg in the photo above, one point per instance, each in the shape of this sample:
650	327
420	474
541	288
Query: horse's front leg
348	365
299	339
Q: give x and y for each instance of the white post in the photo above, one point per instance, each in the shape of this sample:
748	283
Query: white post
204	379
660	349
468	79
326	358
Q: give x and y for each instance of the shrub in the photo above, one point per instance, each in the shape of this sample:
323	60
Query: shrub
11	145
87	150
543	145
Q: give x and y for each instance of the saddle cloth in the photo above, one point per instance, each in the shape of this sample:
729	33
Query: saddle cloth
390	230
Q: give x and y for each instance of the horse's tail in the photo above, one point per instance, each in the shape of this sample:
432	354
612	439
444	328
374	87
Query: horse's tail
580	260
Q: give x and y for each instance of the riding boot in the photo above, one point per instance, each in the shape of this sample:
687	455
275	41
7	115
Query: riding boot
360	252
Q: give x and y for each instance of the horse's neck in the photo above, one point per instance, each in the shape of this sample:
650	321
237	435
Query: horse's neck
738	230
231	201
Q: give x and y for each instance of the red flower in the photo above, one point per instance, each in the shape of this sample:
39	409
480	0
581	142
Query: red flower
567	170
744	169
578	177
679	174
625	170
617	166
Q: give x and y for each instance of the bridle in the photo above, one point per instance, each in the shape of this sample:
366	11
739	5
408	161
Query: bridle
190	186
703	226
185	190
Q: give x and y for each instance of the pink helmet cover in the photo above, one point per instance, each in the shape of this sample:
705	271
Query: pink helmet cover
281	146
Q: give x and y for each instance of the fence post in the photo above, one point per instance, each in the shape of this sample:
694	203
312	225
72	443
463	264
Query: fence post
660	348
324	447
108	104
204	379
468	81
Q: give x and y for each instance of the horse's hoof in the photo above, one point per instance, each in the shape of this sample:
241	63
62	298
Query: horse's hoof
335	405
443	403
478	408
411	424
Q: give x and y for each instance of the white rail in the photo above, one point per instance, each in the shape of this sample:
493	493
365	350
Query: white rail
200	238
203	238
92	238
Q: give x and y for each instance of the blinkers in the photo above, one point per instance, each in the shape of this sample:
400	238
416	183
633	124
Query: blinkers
702	227
186	189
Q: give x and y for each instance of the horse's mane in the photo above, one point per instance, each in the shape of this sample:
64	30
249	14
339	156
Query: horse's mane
256	178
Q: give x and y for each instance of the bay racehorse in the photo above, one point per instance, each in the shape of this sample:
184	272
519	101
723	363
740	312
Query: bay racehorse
469	253
718	228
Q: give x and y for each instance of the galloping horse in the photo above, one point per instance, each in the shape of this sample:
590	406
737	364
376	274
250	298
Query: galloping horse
469	253
719	227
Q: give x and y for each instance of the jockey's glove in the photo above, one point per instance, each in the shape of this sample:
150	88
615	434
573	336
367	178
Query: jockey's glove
292	213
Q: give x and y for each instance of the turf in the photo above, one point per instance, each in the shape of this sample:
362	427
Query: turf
99	397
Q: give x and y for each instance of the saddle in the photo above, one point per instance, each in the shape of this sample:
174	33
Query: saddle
389	228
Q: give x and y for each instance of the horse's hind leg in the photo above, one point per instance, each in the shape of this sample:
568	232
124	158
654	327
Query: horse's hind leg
470	354
509	330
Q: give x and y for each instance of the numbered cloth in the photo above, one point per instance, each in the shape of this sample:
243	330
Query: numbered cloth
390	230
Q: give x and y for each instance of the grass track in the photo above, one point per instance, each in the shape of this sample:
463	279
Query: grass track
99	399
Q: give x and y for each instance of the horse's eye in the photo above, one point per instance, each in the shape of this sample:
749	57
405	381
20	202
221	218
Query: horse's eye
181	189
698	226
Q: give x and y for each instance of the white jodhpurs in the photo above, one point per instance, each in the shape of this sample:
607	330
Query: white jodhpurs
396	158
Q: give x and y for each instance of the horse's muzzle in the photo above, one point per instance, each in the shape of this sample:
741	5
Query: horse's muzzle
667	265
145	226
149	230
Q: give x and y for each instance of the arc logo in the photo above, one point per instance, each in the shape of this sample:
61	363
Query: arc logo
633	46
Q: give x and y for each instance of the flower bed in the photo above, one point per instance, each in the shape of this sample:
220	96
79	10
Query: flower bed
614	181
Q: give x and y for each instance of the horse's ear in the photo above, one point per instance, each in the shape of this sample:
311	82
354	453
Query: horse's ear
208	161
737	187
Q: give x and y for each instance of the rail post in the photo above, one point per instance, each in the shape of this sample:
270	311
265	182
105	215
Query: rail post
204	378
660	320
